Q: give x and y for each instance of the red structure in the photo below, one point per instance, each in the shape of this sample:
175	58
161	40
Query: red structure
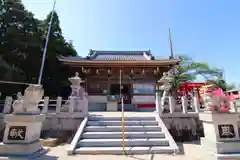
187	87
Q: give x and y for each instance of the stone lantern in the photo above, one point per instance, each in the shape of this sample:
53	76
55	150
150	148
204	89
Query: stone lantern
76	87
165	82
78	97
164	85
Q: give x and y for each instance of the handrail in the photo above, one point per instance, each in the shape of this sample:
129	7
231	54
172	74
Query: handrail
77	136
172	142
123	132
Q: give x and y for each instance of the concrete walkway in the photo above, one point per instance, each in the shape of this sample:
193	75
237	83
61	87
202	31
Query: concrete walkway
190	151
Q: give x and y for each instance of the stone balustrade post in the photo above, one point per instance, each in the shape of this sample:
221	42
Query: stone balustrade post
162	102
158	103
45	105
172	104
59	104
8	105
233	106
71	104
196	104
184	104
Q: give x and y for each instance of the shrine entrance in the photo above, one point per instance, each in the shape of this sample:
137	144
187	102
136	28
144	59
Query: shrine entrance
125	92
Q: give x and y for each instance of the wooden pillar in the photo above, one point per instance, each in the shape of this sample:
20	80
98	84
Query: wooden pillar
109	88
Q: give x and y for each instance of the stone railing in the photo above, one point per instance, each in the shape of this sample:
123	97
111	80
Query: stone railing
62	107
169	107
50	107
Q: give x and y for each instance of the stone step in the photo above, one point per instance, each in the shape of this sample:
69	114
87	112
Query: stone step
118	142
102	118
119	123
119	128
129	150
111	135
228	156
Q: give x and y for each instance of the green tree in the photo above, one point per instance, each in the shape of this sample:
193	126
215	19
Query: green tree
19	36
188	70
220	83
22	40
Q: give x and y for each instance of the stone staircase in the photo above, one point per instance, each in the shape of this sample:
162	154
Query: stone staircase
143	135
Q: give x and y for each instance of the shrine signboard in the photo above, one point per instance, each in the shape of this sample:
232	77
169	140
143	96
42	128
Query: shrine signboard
144	88
17	133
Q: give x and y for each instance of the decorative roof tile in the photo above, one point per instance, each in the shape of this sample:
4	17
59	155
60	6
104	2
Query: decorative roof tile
120	55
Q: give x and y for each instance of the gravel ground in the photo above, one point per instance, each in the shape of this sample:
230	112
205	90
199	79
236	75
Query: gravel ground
190	151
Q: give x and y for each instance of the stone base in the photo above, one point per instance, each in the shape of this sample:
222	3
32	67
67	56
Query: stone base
112	106
228	156
31	156
208	145
222	150
220	147
19	149
29	125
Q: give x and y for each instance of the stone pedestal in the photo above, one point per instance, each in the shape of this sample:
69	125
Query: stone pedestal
221	133
112	106
21	136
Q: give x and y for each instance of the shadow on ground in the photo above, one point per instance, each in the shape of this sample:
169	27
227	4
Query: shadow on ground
181	148
47	157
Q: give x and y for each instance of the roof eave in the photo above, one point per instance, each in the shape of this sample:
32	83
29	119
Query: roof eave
118	62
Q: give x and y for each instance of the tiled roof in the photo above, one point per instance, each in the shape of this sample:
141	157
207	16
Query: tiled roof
114	56
71	58
120	55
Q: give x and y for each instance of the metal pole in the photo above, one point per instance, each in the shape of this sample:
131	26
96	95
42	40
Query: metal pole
122	105
46	44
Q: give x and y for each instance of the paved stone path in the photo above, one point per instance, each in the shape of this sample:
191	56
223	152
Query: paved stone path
191	151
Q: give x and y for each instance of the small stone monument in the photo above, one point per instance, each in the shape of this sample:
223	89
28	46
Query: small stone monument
23	127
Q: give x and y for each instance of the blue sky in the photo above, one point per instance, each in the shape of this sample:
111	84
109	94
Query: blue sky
206	30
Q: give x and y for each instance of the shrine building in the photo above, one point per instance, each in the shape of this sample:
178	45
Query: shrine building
132	75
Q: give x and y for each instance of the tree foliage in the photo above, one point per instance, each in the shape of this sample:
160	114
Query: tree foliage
188	71
22	39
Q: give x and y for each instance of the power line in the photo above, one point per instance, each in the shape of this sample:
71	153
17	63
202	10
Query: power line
12	82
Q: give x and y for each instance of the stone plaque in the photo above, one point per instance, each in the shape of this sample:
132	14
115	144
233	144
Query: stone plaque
17	133
226	131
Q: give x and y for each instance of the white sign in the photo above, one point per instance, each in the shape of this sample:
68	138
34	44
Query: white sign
144	88
144	99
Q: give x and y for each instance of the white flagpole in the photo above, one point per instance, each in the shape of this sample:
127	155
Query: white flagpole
46	44
170	41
